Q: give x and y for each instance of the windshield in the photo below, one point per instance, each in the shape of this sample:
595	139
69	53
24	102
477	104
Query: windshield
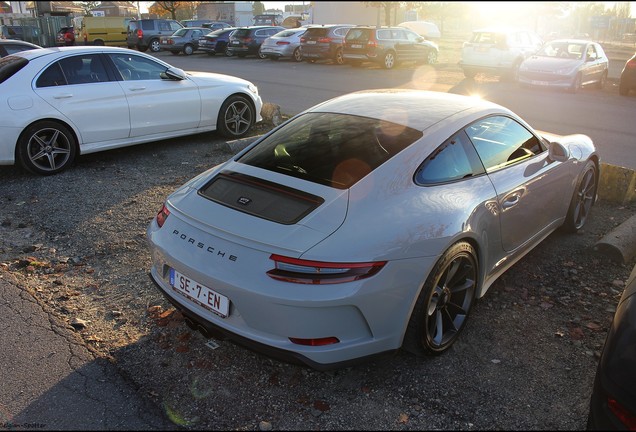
335	150
569	50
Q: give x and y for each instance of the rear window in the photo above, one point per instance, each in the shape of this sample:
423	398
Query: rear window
9	65
357	34
488	38
181	32
316	32
241	33
331	149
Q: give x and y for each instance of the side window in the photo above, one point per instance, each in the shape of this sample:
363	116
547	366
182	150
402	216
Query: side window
164	26
591	53
83	69
148	25
136	68
52	76
501	141
455	159
412	37
174	26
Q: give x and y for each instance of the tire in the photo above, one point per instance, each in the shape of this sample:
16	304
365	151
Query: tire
583	199
470	73
236	117
431	57
297	55
338	58
601	83
155	46
46	147
188	49
260	55
444	303
228	53
623	89
389	60
576	84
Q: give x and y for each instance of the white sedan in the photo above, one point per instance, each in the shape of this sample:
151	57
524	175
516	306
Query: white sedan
57	103
368	223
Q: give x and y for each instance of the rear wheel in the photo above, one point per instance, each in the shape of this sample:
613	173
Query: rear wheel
443	306
228	53
46	148
236	117
155	46
188	49
338	58
389	60
583	199
298	55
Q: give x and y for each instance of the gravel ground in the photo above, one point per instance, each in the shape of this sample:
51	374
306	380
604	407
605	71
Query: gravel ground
525	361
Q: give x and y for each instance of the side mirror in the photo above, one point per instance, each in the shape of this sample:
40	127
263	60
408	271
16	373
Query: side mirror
174	74
558	152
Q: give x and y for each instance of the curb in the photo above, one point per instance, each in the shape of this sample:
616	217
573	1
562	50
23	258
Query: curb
620	244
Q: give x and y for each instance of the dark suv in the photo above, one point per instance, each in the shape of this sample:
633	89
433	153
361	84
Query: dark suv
387	46
248	40
324	42
146	33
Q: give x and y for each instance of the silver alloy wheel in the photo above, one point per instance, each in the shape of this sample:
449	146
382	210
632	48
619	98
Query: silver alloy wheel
389	60
431	58
584	197
188	49
48	150
339	59
298	55
155	46
237	117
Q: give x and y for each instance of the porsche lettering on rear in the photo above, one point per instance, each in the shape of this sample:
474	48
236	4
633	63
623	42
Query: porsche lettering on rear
203	246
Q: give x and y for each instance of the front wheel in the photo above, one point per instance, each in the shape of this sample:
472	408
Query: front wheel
260	55
443	306
46	148
236	117
601	82
583	199
188	49
576	84
431	58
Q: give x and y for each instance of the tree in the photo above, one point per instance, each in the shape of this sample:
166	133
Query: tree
88	6
440	11
258	8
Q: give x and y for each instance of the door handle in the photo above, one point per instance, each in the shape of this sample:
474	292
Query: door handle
137	88
63	96
511	202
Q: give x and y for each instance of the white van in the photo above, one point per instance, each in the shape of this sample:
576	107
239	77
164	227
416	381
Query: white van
423	28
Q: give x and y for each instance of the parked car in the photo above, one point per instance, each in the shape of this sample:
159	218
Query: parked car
628	77
146	33
324	42
613	400
425	29
284	44
268	20
367	223
246	41
498	52
216	42
185	40
567	64
12	46
88	99
26	33
215	25
65	36
387	46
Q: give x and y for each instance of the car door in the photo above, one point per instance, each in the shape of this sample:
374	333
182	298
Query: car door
157	105
83	91
403	47
531	189
593	65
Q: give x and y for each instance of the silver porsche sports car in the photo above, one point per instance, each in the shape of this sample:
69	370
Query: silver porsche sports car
368	223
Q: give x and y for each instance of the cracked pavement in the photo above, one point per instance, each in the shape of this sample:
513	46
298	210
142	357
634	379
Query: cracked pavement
51	381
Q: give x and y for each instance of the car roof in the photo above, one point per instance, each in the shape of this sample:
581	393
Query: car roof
40	52
18	42
418	109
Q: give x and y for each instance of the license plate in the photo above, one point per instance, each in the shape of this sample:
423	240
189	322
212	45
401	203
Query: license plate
356	46
200	294
311	42
235	43
540	83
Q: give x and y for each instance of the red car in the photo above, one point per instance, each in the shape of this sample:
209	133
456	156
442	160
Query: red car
628	77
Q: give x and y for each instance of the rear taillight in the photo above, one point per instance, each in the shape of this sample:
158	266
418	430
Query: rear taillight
303	40
162	215
325	40
282	43
315	342
627	418
140	33
301	271
372	44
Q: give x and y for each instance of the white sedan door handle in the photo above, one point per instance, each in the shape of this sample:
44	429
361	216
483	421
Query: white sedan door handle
137	88
63	96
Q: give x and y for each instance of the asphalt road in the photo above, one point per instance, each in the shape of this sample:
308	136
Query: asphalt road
603	115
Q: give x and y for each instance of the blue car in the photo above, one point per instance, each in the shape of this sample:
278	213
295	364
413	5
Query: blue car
216	42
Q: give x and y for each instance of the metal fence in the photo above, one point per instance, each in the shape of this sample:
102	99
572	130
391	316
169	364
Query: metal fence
40	31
